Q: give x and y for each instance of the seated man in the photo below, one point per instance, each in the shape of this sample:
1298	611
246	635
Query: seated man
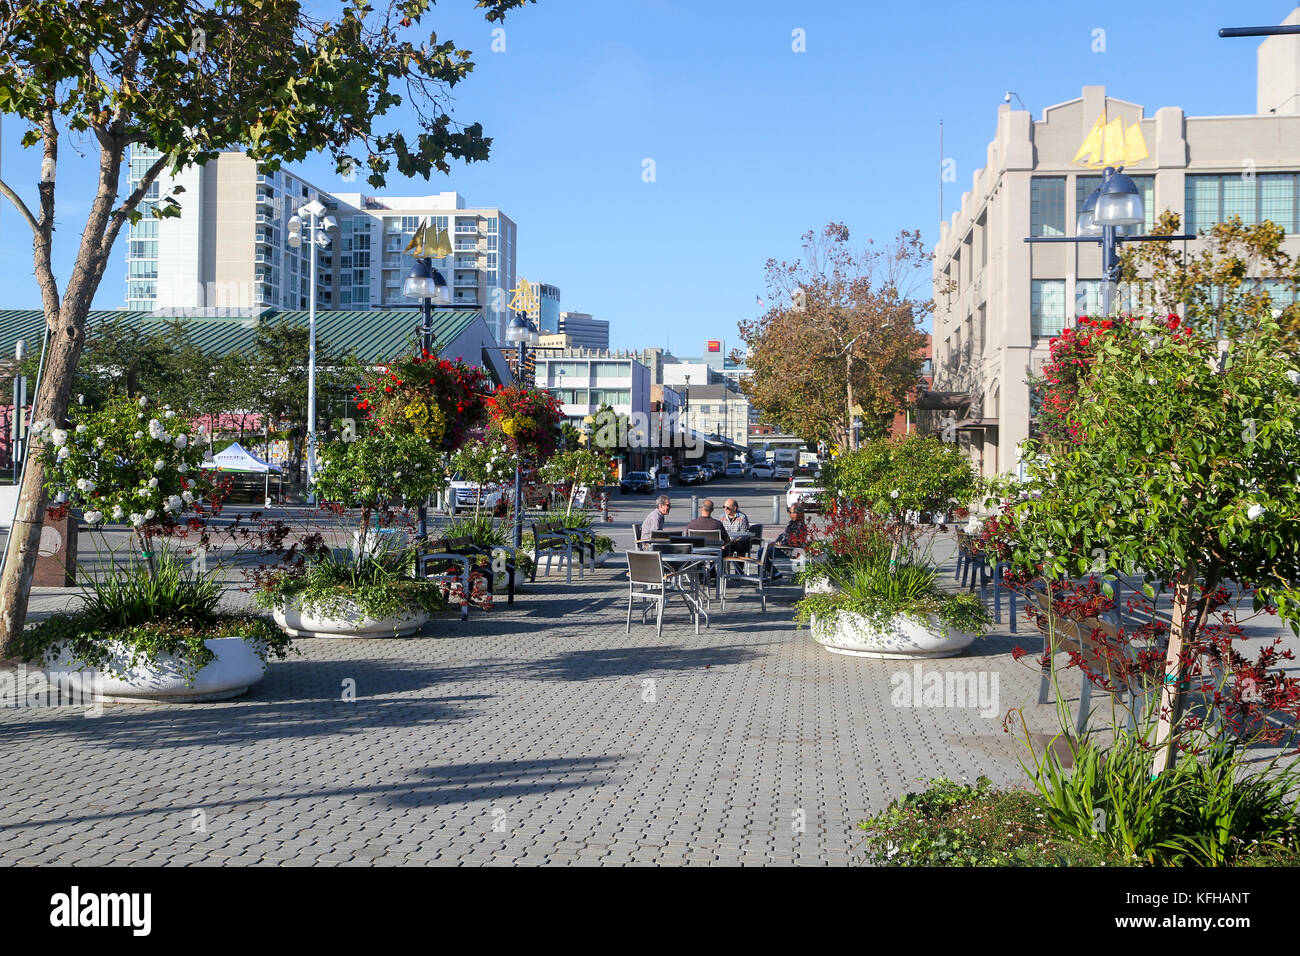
654	521
737	524
706	521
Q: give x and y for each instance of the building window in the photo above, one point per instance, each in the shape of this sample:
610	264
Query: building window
1046	307
1217	198
1047	206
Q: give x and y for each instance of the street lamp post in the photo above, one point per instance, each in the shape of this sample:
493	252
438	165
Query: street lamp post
1114	204
523	334
318	239
428	285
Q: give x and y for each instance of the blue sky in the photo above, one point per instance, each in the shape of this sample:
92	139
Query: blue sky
753	143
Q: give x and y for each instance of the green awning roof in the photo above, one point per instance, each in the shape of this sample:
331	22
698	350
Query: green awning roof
373	335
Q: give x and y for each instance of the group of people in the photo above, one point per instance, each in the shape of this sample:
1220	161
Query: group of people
733	526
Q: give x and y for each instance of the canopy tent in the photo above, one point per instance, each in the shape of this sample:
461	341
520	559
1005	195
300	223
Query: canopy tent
236	459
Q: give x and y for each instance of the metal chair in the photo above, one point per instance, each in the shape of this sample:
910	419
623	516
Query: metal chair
548	544
438	562
648	582
756	571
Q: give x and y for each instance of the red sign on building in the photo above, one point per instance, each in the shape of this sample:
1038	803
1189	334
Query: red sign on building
715	345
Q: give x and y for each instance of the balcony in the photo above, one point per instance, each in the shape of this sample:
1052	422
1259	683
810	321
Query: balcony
470	301
467	228
463	245
467	263
263	219
265	198
466	282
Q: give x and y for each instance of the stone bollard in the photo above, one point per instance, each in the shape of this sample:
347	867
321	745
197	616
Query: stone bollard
776	509
695	507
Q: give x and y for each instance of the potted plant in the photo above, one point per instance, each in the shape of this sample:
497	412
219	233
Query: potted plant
149	629
884	599
368	589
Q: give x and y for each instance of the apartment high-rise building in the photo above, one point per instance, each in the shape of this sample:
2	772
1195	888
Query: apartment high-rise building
229	247
999	300
584	331
480	269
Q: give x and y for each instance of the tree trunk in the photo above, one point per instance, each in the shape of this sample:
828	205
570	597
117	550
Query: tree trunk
1171	691
51	404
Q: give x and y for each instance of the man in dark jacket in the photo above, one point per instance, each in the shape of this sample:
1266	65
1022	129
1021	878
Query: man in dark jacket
706	521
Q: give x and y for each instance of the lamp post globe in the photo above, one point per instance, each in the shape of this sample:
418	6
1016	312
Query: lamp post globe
1118	201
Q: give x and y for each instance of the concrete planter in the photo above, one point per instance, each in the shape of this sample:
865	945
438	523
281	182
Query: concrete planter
902	636
819	586
350	622
237	668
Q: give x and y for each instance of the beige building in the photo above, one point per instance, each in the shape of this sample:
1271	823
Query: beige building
999	300
229	247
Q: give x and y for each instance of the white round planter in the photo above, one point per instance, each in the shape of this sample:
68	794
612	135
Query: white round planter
901	636
237	668
350	622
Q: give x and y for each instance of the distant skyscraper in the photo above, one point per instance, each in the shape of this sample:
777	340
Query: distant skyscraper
584	331
547	314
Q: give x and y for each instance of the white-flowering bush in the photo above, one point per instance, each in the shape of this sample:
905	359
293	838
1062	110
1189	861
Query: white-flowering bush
122	464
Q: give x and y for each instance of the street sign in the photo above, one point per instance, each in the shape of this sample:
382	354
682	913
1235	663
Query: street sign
663	481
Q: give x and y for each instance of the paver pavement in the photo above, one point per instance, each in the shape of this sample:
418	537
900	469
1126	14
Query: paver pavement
538	733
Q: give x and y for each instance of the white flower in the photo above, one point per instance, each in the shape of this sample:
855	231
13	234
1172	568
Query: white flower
182	468
159	465
94	517
142	492
81	399
181	441
138	435
974	525
170	414
1255	511
137	519
1151	380
144	402
187	497
153	482
85	484
118	512
174	503
148	515
894	493
64	452
38	427
1294	376
81	429
156	430
59	437
99	443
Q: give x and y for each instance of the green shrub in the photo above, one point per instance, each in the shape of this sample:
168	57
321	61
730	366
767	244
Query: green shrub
1204	810
869	586
170	611
957	824
377	585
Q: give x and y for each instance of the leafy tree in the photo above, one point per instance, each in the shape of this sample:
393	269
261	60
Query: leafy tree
1220	289
1181	467
899	478
578	468
191	80
842	334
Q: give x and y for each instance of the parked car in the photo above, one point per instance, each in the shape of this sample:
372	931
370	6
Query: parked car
636	482
706	472
735	469
763	470
471	496
808	471
784	472
803	491
690	475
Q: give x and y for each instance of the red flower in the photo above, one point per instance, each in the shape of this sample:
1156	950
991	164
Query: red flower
1172	322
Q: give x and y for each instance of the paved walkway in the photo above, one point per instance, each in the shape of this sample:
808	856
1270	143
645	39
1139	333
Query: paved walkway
537	733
